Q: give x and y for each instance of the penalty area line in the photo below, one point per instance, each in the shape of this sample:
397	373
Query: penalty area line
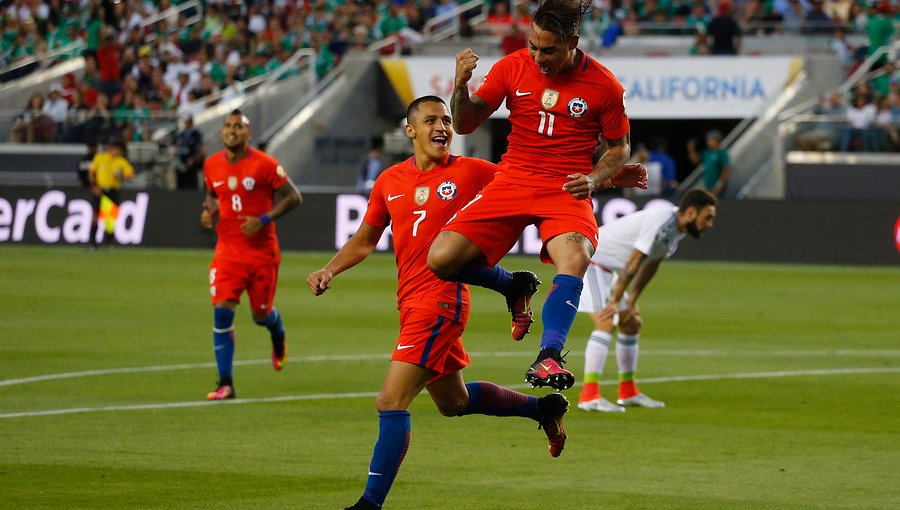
371	394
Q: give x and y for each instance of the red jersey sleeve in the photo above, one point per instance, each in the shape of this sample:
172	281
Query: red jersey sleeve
273	173
377	214
614	120
495	87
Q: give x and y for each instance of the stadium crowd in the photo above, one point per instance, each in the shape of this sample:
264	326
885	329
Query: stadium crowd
147	64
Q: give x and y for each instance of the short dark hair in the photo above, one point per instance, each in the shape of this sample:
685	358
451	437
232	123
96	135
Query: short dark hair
698	199
244	118
561	17
414	106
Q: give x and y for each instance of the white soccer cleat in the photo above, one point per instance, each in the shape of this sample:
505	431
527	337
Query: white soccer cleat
640	400
600	404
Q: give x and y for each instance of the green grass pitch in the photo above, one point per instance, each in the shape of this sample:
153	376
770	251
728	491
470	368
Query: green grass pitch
782	386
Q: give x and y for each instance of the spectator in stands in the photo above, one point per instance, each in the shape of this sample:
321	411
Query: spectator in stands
446	7
822	135
817	22
886	135
68	87
884	78
371	167
57	109
499	20
724	33
715	161
93	31
109	65
794	16
841	47
701	43
76	119
861	117
191	154
513	40
99	120
32	125
392	22
879	27
90	75
658	154
699	17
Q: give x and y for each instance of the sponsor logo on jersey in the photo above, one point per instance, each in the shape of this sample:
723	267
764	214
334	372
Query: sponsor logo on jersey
549	98
447	190
578	107
249	183
232	183
422	195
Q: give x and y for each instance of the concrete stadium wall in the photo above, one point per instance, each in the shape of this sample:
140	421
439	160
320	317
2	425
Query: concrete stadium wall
833	231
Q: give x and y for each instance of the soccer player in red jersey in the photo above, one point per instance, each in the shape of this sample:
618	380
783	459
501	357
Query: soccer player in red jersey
417	197
248	190
562	103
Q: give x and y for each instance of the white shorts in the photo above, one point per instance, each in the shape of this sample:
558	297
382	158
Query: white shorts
598	285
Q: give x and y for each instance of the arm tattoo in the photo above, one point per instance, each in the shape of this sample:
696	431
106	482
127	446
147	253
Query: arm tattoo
576	238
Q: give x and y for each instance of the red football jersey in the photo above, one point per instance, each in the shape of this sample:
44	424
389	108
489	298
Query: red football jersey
556	121
417	204
244	189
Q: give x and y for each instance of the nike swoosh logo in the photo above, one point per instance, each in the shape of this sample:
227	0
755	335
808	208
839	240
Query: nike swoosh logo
216	184
520	94
545	367
570	303
374	474
391	198
401	347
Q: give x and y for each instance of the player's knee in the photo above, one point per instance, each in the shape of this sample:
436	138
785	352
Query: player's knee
450	410
260	319
438	264
632	325
386	402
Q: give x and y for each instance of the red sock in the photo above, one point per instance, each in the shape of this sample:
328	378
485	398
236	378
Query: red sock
590	391
627	389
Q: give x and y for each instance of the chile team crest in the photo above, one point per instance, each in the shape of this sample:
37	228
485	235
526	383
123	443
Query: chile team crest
577	107
446	190
249	183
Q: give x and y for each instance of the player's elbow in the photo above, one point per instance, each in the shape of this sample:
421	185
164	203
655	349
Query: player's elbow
462	129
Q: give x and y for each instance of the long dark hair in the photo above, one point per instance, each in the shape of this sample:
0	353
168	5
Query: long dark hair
561	17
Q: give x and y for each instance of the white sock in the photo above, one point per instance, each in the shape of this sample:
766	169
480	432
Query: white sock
627	353
596	351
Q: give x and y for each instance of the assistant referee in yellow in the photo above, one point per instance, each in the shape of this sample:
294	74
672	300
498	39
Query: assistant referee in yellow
108	170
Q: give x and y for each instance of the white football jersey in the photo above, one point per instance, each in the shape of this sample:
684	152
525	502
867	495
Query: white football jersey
653	232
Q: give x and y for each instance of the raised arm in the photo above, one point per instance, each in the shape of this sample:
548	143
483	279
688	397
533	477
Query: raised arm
357	249
468	111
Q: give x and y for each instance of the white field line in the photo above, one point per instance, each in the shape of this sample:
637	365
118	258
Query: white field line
507	354
332	396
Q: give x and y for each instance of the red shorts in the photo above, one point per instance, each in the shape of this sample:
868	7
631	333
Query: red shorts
229	279
432	341
494	221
